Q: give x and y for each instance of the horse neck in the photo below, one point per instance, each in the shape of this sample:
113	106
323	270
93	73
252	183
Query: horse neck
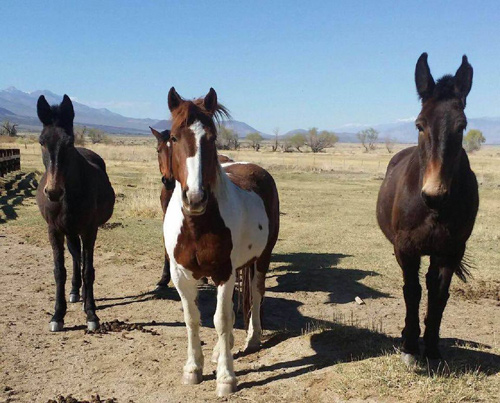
73	170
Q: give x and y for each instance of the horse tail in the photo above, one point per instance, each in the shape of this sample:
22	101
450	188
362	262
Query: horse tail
248	274
463	269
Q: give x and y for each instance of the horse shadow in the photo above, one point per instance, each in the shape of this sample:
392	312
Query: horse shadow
342	344
320	272
167	293
22	186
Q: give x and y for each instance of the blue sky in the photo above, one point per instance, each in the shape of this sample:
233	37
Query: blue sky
292	64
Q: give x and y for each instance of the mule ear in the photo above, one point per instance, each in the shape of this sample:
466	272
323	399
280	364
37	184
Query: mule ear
43	110
210	101
174	99
423	78
67	113
463	79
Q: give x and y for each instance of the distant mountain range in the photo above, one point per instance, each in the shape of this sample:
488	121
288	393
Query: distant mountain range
20	107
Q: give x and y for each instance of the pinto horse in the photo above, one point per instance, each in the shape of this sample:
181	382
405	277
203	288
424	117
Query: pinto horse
164	150
220	219
75	197
428	203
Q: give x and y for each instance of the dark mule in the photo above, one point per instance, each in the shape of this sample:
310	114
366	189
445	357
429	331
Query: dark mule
164	149
220	219
75	198
428	202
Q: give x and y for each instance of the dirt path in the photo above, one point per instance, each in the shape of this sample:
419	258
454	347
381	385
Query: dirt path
145	366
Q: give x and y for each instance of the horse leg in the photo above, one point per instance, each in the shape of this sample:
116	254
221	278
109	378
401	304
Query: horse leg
88	279
254	333
75	248
412	292
223	320
188	291
57	242
165	276
438	281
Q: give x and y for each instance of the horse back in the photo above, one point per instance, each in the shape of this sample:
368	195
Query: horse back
92	157
251	177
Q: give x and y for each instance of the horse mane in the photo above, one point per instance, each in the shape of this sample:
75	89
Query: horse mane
445	88
189	111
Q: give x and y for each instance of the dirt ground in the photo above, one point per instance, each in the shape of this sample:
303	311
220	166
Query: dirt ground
319	344
140	366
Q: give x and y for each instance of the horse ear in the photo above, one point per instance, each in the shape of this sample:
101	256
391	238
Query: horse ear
463	79
43	110
210	101
66	110
157	134
423	78
174	99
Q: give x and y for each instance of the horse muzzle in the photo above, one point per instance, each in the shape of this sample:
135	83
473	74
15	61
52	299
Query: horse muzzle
54	194
435	200
194	203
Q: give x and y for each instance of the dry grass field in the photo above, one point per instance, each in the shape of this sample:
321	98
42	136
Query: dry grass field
320	345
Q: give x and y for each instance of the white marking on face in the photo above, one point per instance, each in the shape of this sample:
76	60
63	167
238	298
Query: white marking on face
193	164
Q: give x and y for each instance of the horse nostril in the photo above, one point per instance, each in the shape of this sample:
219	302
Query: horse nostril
54	195
205	196
434	201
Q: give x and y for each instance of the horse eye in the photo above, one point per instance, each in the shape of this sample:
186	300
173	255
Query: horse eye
174	139
419	127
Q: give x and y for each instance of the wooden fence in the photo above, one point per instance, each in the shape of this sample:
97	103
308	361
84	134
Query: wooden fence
10	160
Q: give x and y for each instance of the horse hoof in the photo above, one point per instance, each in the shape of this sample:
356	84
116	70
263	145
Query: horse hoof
252	347
192	378
409	360
56	326
161	288
225	389
92	326
73	298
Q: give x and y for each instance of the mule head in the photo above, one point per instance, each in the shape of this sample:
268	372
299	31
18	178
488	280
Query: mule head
194	153
440	124
56	139
164	150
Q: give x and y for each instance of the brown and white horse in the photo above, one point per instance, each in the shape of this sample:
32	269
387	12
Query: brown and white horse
164	150
220	219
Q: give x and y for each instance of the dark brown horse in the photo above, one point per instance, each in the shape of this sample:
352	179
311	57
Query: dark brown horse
220	219
75	197
164	150
428	203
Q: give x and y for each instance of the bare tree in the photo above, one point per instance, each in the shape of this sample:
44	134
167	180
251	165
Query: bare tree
80	132
389	144
319	141
276	132
298	140
97	136
286	145
8	129
255	140
368	137
227	139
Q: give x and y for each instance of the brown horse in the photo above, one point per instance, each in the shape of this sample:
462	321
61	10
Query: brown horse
75	197
164	149
220	219
428	203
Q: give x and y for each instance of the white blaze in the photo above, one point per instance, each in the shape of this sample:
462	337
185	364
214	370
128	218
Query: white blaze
194	172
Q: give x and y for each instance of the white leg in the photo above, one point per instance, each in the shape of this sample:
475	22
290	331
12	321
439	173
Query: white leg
254	327
223	320
215	354
188	290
